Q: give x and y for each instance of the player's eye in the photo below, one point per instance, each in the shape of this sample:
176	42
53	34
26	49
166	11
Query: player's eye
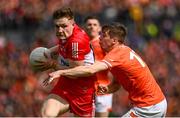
63	26
57	26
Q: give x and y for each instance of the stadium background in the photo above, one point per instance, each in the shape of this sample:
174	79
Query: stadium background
153	31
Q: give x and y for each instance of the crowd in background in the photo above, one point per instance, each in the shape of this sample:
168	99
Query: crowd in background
153	31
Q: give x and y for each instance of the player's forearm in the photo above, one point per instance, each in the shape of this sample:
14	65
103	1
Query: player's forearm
84	71
80	71
56	66
54	51
60	67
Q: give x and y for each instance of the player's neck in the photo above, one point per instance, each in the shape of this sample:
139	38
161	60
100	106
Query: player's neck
95	38
117	45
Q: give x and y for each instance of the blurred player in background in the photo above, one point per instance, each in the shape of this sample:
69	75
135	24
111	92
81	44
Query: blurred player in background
103	103
73	50
129	70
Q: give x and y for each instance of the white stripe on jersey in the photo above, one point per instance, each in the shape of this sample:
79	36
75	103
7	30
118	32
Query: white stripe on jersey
107	63
89	58
75	50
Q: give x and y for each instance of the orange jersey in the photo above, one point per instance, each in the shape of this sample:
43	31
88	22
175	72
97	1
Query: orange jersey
102	77
134	75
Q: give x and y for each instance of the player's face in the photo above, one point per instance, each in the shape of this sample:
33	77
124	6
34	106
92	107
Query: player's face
64	27
93	27
106	42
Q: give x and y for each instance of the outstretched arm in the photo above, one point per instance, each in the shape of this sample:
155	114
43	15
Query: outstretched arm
80	71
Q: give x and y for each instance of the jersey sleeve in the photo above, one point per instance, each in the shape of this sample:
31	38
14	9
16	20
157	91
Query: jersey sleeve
110	61
113	58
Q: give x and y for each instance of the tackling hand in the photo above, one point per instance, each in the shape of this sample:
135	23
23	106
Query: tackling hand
101	90
52	76
47	81
45	65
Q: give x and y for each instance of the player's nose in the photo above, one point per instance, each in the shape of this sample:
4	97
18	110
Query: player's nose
60	29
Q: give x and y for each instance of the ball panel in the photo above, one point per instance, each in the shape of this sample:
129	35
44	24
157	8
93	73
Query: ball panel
37	55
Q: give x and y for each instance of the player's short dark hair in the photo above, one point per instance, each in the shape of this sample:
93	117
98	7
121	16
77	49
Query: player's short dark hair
63	12
90	17
116	30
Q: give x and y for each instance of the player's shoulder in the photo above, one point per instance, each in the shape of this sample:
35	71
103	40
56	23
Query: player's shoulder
119	53
79	34
121	49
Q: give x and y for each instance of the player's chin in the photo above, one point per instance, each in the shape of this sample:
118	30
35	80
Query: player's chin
104	49
61	37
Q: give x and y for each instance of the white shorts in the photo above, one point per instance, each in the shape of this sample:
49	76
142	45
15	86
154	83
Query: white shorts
157	110
103	103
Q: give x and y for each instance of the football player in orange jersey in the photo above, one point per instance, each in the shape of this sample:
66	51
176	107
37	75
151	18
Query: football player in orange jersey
103	103
129	70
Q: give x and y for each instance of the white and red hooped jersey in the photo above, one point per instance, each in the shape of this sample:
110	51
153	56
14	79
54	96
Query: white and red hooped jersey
77	48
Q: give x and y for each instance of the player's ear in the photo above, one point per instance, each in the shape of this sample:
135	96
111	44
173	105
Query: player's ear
73	22
115	40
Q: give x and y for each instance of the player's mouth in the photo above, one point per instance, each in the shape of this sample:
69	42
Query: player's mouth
59	34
